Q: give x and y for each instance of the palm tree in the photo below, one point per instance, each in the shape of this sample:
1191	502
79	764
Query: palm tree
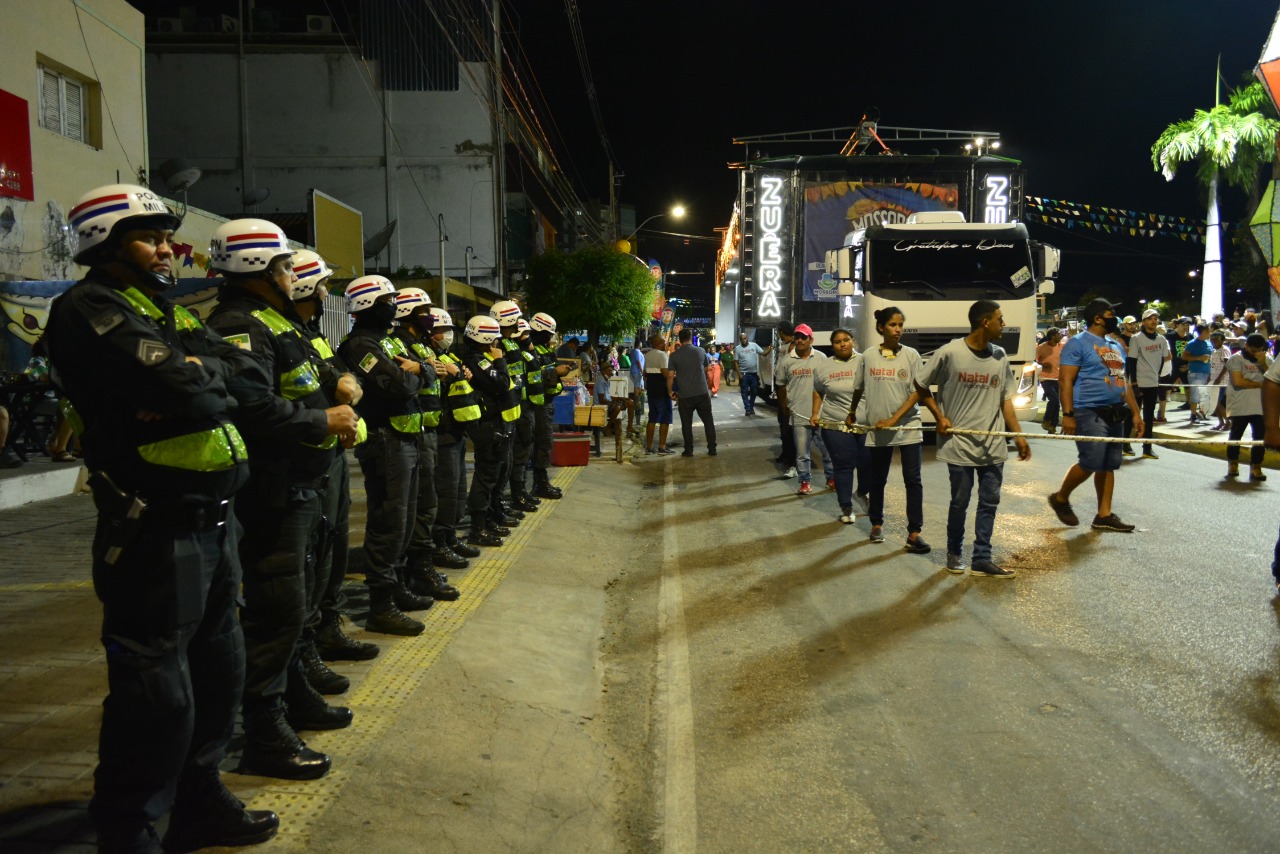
1230	142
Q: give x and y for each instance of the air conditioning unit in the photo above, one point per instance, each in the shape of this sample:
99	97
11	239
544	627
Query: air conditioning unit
228	24
319	25
168	25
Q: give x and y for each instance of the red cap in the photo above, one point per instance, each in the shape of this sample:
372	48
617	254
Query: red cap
805	330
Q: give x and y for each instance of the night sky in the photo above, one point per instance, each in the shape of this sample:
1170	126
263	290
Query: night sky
1078	91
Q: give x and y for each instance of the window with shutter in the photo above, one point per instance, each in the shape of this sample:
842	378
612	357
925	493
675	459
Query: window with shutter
73	115
64	104
50	101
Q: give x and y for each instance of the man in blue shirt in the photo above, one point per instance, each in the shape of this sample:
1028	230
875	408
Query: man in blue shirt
1096	401
1197	354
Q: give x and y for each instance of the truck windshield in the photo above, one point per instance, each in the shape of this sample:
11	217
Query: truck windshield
948	265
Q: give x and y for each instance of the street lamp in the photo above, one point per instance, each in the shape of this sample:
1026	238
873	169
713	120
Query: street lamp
676	212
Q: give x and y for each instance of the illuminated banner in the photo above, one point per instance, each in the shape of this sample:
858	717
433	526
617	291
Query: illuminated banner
772	245
993	200
16	180
833	211
659	290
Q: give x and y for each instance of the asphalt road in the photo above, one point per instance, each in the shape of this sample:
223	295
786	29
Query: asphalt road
815	691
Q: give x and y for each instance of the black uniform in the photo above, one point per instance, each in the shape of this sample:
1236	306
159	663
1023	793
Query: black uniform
167	575
490	437
389	458
280	512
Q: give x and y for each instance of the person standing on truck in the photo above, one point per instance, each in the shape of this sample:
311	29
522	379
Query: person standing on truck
975	392
1096	401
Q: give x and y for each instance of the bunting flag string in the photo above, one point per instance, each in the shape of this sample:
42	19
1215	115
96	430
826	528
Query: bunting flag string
1072	215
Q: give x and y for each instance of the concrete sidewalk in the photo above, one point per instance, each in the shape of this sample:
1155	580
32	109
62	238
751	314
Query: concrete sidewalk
482	729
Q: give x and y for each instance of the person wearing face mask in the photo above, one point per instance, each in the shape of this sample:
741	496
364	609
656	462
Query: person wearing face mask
413	330
461	408
1097	400
332	545
542	328
280	508
152	391
389	459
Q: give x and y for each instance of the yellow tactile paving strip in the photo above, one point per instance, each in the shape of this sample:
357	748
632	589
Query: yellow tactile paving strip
395	676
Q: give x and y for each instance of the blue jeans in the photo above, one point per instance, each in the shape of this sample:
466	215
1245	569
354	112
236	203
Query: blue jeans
749	388
881	460
848	454
989	480
807	437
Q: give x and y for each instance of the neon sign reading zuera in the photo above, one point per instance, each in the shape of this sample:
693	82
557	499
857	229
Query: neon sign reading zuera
769	256
997	209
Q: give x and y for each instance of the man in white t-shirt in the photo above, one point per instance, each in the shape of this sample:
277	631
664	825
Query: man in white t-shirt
1150	352
794	383
975	392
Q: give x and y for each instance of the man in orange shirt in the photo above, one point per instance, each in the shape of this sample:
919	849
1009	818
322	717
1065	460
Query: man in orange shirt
1047	355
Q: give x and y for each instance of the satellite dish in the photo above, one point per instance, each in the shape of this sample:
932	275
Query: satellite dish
179	175
255	196
379	241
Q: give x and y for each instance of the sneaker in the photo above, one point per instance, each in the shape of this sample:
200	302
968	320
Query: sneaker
1127	451
1184	407
688	452
831	483
1149	455
863	502
665	451
987	569
1063	511
1112	523
1160	419
956	564
846	517
805	488
918	546
791	472
648	452
711	452
877	534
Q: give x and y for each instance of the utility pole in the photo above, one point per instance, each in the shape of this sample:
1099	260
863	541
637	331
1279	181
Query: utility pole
444	280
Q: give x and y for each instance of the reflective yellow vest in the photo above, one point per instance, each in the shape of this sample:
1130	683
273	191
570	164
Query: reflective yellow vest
411	422
463	402
429	397
215	449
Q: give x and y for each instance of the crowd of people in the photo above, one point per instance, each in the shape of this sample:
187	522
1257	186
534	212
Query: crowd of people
216	452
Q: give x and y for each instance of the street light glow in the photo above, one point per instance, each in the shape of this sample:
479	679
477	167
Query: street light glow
677	211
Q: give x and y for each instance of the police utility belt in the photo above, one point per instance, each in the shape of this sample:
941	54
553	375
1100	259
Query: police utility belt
125	513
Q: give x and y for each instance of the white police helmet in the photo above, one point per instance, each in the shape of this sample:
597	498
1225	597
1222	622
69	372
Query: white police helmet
246	246
311	271
109	210
365	291
483	330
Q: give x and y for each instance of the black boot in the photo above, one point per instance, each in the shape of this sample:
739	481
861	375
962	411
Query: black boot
542	485
385	618
415	579
406	601
334	645
206	815
497	530
441	588
448	558
483	537
321	677
305	708
273	749
463	549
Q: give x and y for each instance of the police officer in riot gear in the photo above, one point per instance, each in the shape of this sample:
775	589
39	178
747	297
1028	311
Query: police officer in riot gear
151	390
542	329
533	399
389	458
461	407
280	508
499	406
413	329
332	544
507	314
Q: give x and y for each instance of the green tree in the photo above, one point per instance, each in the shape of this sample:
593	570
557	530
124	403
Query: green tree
596	288
1230	142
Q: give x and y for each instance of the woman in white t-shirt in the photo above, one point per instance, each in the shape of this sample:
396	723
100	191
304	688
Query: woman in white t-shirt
887	380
